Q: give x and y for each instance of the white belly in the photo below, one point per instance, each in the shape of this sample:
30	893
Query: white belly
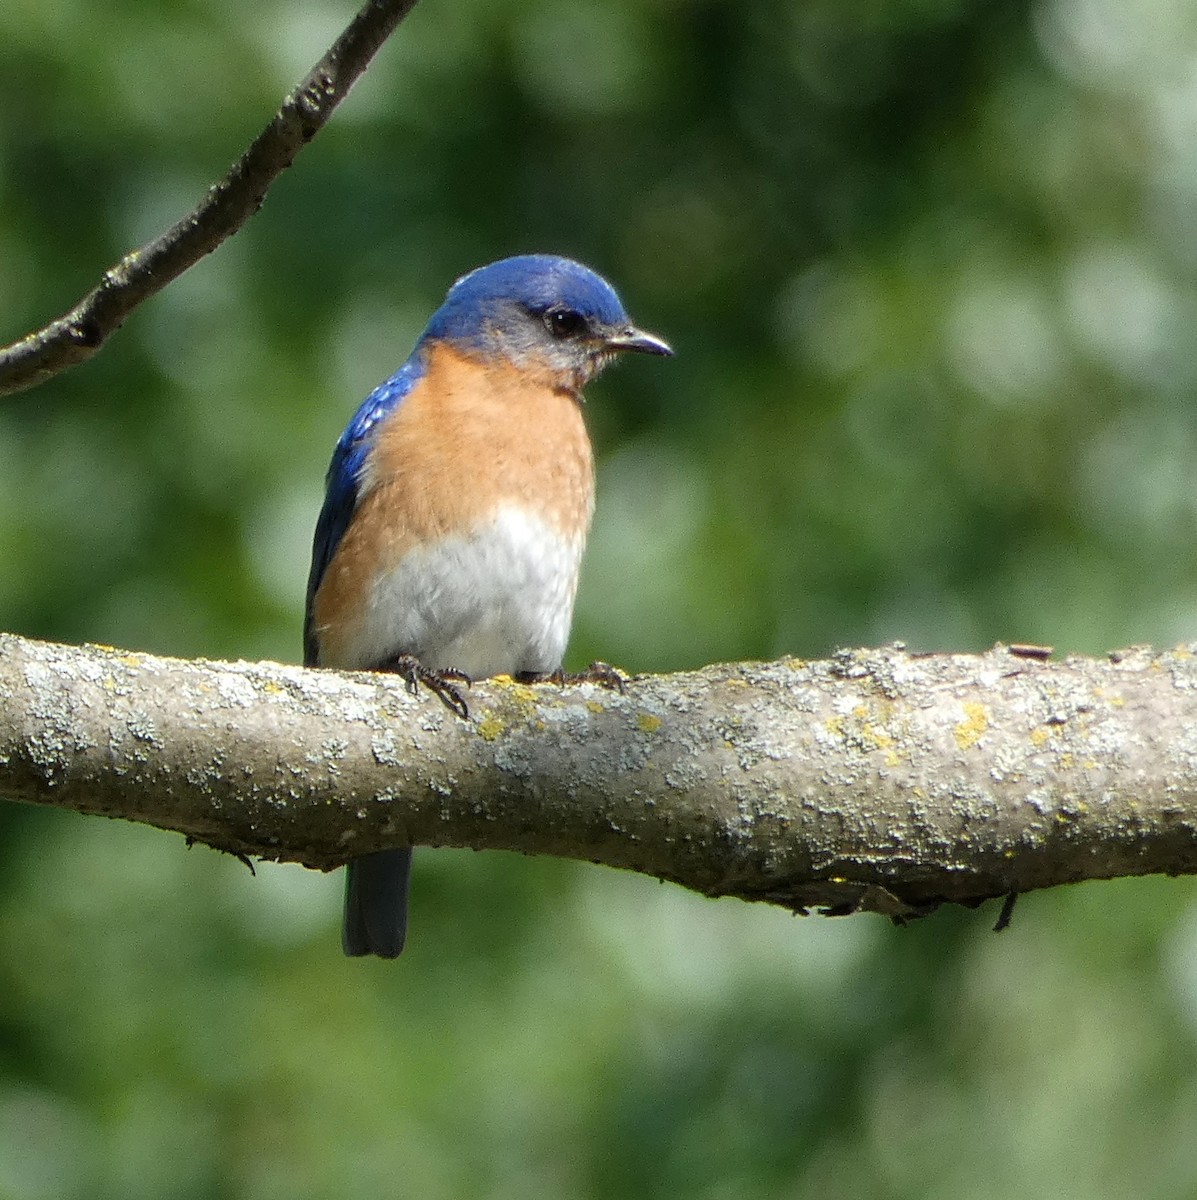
494	602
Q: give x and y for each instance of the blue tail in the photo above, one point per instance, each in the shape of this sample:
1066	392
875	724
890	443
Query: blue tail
376	904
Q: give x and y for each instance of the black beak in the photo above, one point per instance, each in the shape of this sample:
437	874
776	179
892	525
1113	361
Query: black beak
636	339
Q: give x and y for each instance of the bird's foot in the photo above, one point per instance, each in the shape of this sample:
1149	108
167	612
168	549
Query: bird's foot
442	683
604	674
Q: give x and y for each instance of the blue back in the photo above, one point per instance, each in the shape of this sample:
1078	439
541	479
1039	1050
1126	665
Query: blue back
341	483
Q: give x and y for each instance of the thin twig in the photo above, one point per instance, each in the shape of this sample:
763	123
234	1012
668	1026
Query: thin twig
74	337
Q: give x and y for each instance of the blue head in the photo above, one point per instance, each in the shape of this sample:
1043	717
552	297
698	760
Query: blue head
540	311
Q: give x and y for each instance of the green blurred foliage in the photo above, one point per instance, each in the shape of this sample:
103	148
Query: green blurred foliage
929	268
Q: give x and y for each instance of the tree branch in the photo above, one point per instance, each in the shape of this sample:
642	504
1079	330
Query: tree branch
76	336
876	780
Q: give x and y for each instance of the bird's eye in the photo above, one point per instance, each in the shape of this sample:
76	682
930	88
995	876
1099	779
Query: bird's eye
564	322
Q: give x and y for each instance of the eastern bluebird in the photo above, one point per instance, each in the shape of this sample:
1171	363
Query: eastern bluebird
457	504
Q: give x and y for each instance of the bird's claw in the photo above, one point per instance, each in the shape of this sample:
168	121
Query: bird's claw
604	674
441	683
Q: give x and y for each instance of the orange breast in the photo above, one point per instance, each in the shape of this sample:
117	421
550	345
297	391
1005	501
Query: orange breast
465	441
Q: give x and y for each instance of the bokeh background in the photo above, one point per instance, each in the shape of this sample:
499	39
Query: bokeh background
930	268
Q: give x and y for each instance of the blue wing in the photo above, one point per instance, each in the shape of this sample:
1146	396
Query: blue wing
341	491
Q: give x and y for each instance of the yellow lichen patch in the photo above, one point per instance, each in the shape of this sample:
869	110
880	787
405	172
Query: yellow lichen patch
594	706
1039	735
1182	653
976	720
861	710
879	738
522	701
130	660
490	727
522	692
835	725
648	723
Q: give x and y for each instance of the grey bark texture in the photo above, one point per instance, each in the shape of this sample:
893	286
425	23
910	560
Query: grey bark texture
876	780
